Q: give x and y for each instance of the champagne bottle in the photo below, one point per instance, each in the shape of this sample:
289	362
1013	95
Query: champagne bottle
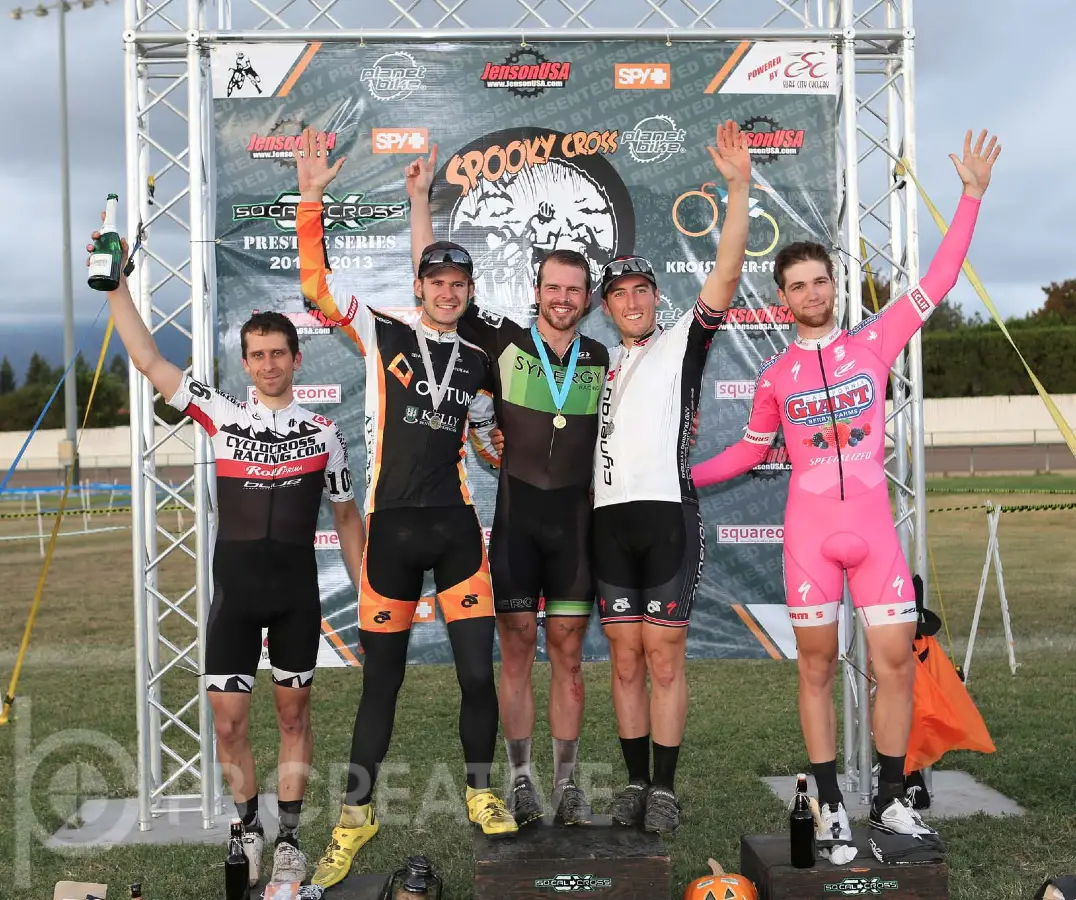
107	253
801	827
236	866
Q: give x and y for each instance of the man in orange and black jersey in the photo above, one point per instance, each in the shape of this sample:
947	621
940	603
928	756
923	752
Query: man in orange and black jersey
426	390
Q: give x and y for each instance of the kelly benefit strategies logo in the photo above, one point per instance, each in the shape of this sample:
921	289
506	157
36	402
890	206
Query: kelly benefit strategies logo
514	195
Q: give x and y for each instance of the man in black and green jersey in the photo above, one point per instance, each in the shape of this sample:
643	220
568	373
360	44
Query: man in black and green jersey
548	380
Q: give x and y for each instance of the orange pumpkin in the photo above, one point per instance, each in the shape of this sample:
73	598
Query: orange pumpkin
720	885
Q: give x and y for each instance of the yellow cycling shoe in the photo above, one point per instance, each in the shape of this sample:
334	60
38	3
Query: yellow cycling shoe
357	825
488	810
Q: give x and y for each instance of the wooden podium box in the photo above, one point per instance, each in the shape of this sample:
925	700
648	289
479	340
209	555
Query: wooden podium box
601	860
764	858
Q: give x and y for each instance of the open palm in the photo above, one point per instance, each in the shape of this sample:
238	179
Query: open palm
732	156
312	163
975	168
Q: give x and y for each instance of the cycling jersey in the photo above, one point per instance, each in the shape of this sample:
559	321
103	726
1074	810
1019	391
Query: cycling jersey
649	401
414	452
534	450
272	464
829	397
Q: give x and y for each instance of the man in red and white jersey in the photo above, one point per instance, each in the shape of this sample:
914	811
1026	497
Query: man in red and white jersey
274	462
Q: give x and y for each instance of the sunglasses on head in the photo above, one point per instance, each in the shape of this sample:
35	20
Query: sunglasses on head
447	256
631	265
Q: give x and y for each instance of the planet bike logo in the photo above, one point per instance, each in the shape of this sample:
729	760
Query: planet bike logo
750	534
351	212
573	883
845	400
394	76
497	162
857	887
696	213
665	314
654	140
281	146
526	73
766	140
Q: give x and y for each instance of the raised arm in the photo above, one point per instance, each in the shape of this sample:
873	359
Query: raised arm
750	450
419	179
905	316
165	376
733	161
315	278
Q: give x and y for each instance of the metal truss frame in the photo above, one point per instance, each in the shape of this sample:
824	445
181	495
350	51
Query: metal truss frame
170	191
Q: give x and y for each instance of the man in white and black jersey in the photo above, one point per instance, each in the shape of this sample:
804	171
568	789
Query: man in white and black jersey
274	462
648	535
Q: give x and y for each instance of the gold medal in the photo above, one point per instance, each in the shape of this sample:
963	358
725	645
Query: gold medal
559	421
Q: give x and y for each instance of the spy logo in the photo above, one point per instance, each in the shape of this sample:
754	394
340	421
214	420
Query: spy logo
654	140
898	586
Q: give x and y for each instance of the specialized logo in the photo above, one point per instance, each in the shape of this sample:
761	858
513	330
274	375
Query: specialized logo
400	140
849	398
526	73
766	140
857	887
523	192
394	76
898	586
281	146
351	212
642	76
654	139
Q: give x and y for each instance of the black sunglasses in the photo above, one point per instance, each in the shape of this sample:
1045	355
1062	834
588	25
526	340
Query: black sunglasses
449	256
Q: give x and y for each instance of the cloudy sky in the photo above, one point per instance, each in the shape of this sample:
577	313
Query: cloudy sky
975	69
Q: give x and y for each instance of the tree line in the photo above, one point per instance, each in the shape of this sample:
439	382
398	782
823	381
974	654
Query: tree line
963	356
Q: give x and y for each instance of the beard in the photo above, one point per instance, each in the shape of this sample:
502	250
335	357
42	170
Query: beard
561	322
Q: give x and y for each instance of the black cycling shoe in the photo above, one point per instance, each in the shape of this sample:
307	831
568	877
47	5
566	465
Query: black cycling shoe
662	811
572	807
630	804
523	802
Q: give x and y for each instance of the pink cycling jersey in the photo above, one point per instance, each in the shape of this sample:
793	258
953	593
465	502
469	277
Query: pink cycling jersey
829	397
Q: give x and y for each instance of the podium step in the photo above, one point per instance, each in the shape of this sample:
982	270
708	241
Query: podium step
547	859
764	858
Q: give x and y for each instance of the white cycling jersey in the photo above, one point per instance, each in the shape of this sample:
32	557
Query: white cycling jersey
651	395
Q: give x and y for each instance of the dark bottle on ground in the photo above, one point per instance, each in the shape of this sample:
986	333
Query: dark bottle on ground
801	827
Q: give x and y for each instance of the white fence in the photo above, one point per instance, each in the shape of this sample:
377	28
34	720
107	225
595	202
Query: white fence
950	422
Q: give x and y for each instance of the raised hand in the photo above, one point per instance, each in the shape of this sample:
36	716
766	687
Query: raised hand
312	163
974	169
732	156
419	175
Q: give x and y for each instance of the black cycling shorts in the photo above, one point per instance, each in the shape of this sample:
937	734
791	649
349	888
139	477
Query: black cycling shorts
539	547
648	561
402	544
262	584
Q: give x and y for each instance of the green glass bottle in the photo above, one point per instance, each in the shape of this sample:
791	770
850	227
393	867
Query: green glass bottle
107	256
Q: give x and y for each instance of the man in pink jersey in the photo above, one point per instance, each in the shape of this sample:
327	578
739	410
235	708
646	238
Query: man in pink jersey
827	391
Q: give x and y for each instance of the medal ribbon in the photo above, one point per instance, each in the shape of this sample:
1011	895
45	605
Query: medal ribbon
621	386
560	395
437	391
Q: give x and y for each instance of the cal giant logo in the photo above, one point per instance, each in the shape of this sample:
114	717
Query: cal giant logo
849	399
352	211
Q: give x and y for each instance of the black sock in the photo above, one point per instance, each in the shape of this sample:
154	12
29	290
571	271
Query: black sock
288	821
665	765
825	779
890	778
248	813
637	758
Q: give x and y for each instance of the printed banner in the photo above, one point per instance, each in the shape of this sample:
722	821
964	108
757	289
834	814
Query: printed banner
599	146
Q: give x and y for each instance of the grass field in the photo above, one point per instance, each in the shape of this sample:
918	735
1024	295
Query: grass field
742	725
